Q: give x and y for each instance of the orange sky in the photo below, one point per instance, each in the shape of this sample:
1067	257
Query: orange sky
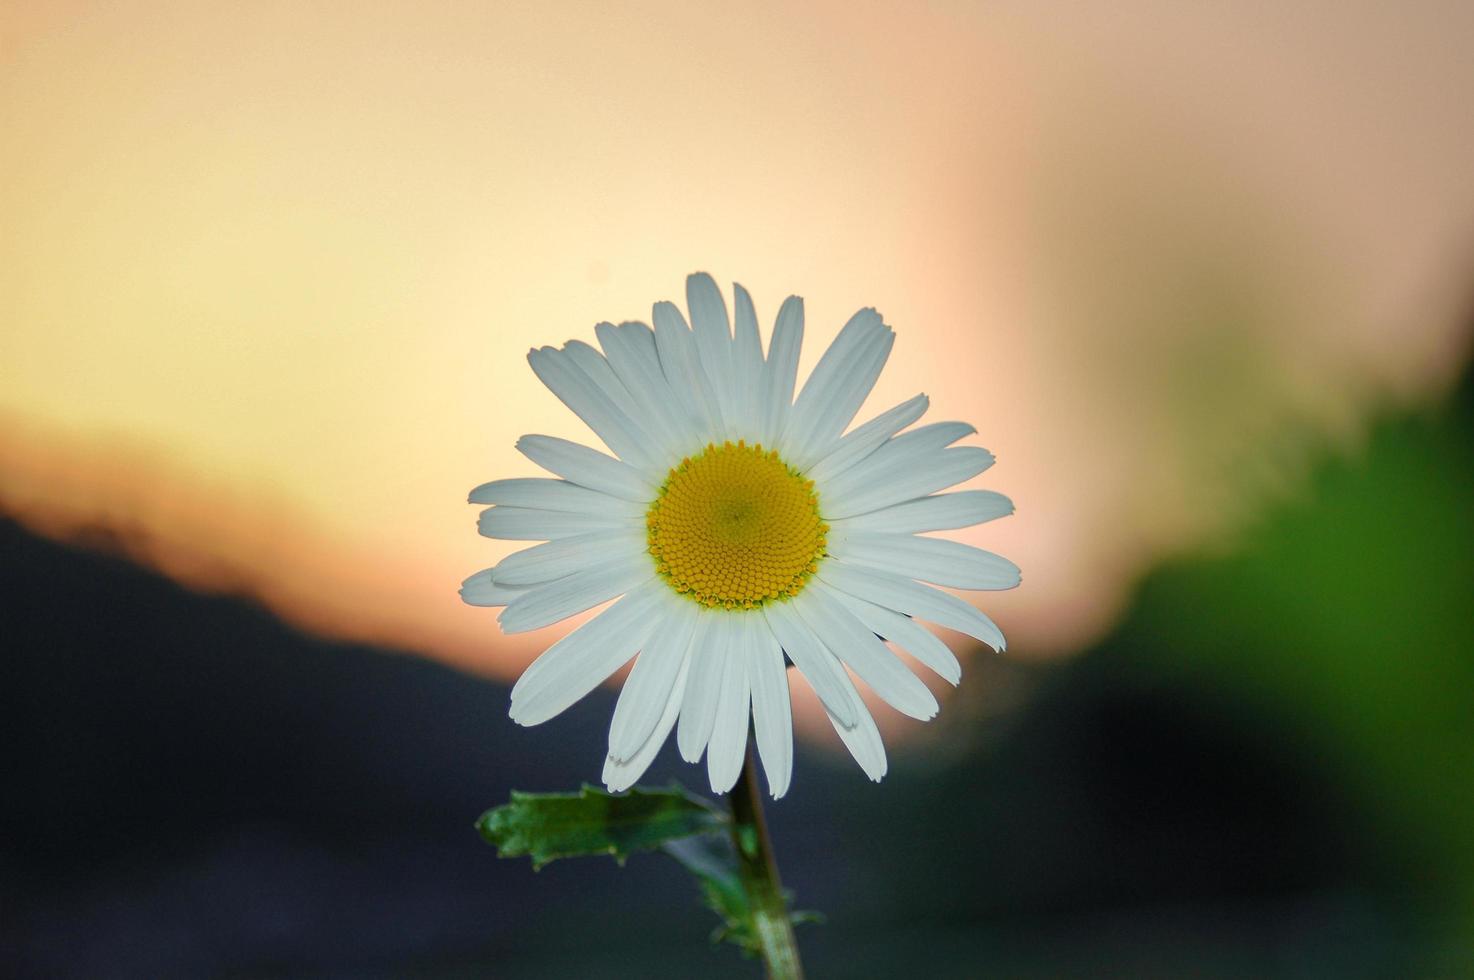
268	273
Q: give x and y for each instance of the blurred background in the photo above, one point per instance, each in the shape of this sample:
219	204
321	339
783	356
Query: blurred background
1203	278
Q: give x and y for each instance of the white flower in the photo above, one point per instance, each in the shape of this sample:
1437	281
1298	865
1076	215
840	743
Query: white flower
735	524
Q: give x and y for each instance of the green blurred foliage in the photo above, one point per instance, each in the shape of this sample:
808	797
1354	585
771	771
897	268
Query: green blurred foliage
1347	615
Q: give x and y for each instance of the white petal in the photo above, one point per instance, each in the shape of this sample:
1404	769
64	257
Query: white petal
709	649
555	559
556	601
585	658
747	369
899	453
943	512
772	713
588	467
620	776
931	437
558	370
647	689
630	348
524	524
867	438
862	738
780	371
649	424
834	392
682	368
908	634
728	746
904	478
713	333
597	369
911	598
877	666
481	590
950	563
542	494
812	658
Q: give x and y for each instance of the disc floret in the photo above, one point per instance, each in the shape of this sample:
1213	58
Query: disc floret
735	527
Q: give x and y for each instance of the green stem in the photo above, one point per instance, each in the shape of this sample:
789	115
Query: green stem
759	874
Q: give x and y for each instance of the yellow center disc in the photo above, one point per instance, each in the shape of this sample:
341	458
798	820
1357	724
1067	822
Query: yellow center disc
735	527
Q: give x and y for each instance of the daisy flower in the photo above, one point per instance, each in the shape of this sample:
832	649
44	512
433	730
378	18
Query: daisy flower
738	528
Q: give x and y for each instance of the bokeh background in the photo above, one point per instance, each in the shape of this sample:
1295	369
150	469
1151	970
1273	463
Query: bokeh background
1203	277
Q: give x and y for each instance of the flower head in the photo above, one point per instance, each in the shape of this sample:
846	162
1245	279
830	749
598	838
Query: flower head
738	528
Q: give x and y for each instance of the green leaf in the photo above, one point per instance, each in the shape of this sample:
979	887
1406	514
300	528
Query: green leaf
711	864
547	826
714	866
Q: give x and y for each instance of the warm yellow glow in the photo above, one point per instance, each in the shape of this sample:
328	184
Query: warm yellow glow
735	527
268	270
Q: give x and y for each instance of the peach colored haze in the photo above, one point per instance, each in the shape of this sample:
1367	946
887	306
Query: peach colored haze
268	271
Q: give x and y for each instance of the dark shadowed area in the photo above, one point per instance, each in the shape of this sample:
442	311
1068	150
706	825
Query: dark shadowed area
1266	771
